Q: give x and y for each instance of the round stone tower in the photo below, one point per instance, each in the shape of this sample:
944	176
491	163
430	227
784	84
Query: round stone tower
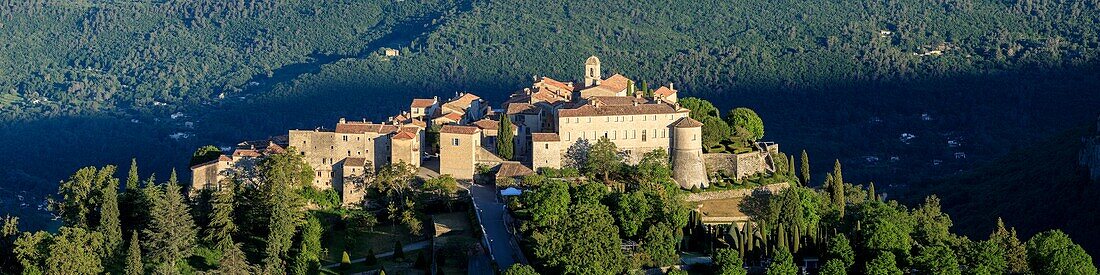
688	168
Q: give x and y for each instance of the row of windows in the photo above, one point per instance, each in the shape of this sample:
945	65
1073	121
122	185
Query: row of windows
627	134
617	118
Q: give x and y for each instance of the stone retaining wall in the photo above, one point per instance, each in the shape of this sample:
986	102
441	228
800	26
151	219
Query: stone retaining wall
736	193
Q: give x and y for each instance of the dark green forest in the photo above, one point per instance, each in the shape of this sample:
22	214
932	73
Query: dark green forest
98	82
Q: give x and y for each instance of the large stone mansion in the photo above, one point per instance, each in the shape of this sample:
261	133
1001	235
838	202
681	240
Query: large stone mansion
550	119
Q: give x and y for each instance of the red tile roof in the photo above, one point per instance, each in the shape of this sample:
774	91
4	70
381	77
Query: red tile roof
462	102
545	137
616	100
459	129
360	128
641	109
511	169
489	124
516	108
616	82
405	135
687	122
556	84
422	102
664	92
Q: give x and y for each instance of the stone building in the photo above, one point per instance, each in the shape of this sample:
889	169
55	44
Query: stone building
240	163
458	150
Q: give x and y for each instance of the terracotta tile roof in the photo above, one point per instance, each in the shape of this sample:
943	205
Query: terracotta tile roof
418	123
459	129
641	109
462	102
404	135
517	108
616	82
355	162
598	91
454	116
489	124
246	153
360	128
557	84
545	137
617	100
546	95
511	169
664	92
422	102
687	122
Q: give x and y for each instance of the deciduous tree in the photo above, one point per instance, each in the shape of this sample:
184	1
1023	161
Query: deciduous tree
1053	252
728	262
747	119
603	158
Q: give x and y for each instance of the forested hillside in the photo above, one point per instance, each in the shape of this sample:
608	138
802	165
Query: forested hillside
96	82
1036	188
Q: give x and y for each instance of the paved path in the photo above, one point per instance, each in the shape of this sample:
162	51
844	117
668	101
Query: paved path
502	246
408	247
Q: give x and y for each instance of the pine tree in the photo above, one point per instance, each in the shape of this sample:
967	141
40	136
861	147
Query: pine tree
109	224
1015	253
133	257
219	232
171	232
505	144
132	180
805	169
233	262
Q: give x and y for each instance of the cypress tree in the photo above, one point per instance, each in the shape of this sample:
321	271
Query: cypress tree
345	261
133	257
805	168
109	224
871	192
398	250
505	144
370	259
219	232
171	232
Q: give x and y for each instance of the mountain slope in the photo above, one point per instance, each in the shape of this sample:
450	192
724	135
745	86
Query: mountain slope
1037	188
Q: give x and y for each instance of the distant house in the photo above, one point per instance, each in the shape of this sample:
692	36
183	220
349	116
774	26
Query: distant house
391	52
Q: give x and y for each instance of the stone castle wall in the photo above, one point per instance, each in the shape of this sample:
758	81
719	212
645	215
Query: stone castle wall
741	165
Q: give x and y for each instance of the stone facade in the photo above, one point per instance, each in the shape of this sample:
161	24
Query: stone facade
546	151
742	165
687	154
458	147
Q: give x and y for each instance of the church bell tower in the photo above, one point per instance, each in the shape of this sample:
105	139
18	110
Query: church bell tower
592	71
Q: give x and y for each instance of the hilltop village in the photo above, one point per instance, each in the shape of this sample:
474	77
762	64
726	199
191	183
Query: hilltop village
551	122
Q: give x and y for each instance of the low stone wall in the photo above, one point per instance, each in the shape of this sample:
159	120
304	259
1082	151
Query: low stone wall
735	193
741	165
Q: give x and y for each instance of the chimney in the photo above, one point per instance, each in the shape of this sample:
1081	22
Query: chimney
635	103
342	120
671	87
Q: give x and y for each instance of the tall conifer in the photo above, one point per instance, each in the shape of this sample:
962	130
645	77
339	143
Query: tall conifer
805	169
219	232
133	257
171	233
109	224
505	144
